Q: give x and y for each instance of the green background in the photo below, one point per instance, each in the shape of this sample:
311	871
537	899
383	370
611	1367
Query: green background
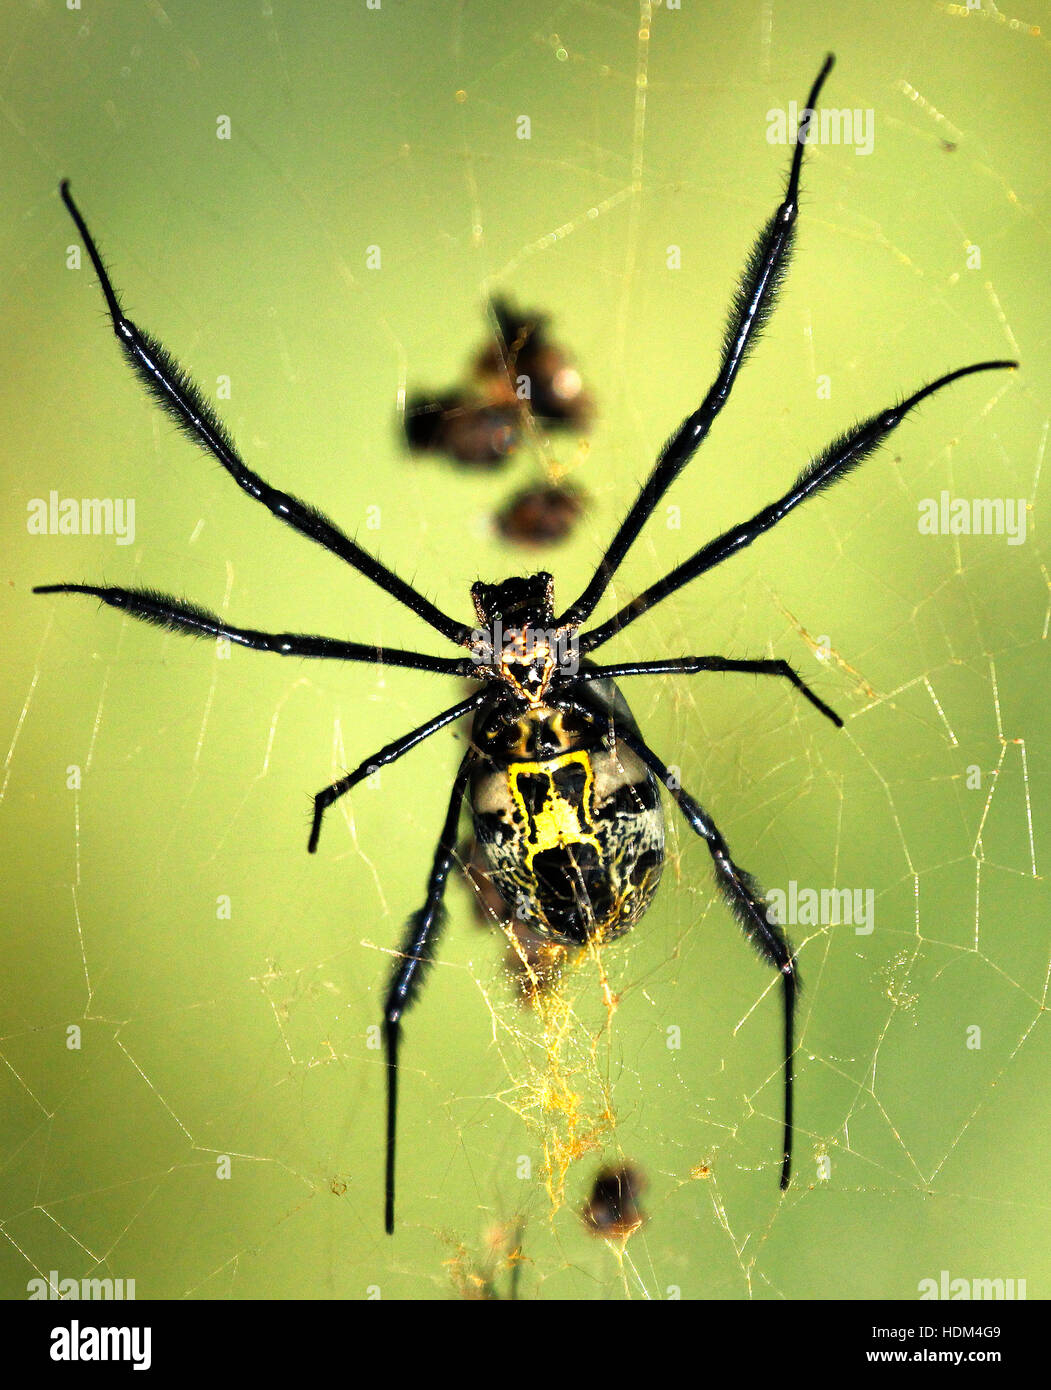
248	1037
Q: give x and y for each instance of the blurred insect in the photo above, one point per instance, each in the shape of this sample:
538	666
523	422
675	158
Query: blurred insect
614	1208
541	515
478	435
520	375
516	375
564	790
523	365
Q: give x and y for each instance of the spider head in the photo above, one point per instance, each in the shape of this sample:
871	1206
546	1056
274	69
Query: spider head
525	602
516	640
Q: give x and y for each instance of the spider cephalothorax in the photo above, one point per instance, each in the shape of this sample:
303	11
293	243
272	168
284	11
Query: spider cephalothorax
519	642
564	789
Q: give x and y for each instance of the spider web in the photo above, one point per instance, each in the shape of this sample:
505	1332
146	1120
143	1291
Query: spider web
192	1094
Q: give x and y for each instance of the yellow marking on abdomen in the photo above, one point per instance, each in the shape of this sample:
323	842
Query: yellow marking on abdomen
557	822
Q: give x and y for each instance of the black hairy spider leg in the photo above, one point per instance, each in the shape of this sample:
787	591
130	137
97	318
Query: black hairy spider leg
180	616
753	303
172	387
391	753
421	932
690	665
740	890
838	459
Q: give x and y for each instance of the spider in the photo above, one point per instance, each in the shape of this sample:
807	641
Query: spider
564	790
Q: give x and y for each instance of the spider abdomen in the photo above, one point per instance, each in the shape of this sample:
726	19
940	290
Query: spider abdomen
571	826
